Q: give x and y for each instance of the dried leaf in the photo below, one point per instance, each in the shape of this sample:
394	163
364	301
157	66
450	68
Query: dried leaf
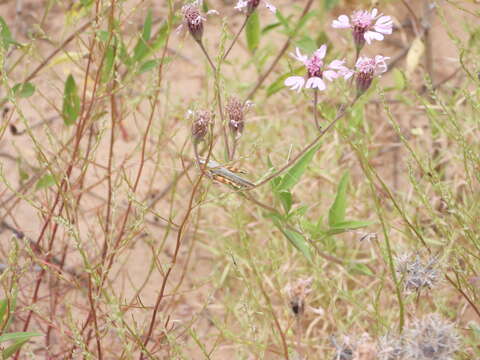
413	57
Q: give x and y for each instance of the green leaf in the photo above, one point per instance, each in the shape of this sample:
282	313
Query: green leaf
399	78
18	336
283	20
24	90
337	211
286	200
345	226
3	308
5	34
296	171
45	182
351	224
109	61
297	240
253	31
71	102
12	349
148	65
329	4
294	237
141	48
357	268
270	27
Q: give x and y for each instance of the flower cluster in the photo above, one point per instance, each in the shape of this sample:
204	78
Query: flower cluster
366	26
317	71
429	338
249	6
417	274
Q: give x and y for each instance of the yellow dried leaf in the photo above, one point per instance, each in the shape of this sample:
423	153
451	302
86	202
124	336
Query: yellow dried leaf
414	55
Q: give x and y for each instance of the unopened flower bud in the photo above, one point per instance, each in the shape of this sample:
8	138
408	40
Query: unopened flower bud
201	123
193	20
235	113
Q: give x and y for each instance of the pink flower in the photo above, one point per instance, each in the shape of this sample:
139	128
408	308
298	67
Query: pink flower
249	6
366	26
316	71
193	20
366	68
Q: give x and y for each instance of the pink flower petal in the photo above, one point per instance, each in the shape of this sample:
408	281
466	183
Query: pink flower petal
315	83
295	82
270	7
342	22
320	52
241	5
384	25
374	12
330	75
337	64
372	35
380	62
299	56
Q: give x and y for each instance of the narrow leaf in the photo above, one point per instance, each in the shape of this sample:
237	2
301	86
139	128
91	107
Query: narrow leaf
71	102
109	61
282	20
12	349
297	170
24	90
141	48
297	240
286	200
362	269
5	34
18	336
148	65
351	225
3	308
252	31
337	211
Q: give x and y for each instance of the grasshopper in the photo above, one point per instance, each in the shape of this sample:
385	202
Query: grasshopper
226	175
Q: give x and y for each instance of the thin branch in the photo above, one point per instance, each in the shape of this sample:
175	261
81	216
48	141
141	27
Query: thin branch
236	38
280	54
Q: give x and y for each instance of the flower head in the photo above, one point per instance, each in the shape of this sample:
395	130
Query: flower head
431	338
366	68
365	25
249	6
201	123
417	274
193	20
236	110
316	71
